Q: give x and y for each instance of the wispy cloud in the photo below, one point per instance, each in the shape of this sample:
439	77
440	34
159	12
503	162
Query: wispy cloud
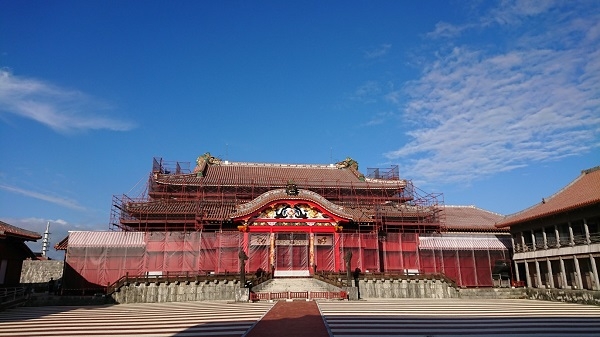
378	52
509	12
65	202
446	30
516	11
368	92
380	118
61	109
478	112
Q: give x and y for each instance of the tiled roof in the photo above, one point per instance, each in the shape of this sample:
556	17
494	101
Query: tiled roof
581	192
215	210
106	239
10	230
62	244
471	218
465	243
258	174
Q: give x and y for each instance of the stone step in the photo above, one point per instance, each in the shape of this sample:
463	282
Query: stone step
293	284
495	293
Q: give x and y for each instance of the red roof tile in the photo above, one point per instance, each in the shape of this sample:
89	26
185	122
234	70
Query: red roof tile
278	175
216	210
583	191
10	230
471	218
62	244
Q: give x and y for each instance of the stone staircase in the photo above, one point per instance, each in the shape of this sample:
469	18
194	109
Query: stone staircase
309	284
493	293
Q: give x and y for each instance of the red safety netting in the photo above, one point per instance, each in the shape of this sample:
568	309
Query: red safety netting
258	252
364	248
291	252
101	258
466	259
400	252
324	253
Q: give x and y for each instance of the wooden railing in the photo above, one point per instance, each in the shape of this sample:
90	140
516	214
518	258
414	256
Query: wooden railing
308	295
12	296
336	279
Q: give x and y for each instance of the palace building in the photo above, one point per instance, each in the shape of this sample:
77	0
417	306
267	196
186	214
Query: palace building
290	220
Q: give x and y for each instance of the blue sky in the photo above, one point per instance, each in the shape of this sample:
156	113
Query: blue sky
492	103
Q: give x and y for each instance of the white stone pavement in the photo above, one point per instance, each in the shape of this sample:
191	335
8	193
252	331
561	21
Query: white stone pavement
400	317
126	320
455	317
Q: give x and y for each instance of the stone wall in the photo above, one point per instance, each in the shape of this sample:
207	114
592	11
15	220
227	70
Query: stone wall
218	290
564	295
151	292
403	288
40	271
44	299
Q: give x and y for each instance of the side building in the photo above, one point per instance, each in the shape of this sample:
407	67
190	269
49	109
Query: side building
290	220
557	242
475	252
13	251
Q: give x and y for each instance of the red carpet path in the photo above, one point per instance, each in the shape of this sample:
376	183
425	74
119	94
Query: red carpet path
291	319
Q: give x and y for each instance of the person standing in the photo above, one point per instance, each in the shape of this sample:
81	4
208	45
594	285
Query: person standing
51	286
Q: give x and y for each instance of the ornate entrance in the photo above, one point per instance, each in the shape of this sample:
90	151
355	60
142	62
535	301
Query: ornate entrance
292	254
302	227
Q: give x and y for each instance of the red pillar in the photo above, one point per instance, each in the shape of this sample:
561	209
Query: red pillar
246	242
336	251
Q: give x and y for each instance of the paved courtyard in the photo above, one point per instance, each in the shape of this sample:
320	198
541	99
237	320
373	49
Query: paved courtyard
414	317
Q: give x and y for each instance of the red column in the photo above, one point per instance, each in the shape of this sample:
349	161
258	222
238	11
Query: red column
311	252
246	242
336	251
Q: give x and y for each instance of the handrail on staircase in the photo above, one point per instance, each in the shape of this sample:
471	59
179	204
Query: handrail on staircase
12	296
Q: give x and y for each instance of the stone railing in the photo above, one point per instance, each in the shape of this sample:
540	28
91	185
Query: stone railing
178	278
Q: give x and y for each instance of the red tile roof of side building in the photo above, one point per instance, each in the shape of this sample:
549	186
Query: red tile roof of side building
581	192
10	230
62	244
471	218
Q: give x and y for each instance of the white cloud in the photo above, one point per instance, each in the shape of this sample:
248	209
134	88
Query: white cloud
478	112
446	30
46	197
60	109
378	52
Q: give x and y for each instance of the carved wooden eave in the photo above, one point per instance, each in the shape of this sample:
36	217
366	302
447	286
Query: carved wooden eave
249	209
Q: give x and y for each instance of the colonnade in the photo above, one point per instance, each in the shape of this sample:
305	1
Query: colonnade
555	260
